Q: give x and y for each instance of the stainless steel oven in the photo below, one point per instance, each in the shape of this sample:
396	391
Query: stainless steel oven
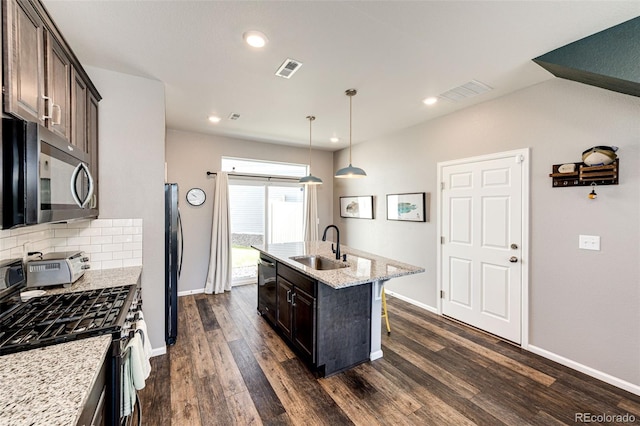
58	318
44	179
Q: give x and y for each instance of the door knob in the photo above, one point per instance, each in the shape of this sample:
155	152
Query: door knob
513	259
514	246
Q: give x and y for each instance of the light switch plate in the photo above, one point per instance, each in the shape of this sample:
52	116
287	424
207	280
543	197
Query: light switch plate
589	242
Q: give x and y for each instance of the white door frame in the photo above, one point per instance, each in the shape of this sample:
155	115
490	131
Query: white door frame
522	155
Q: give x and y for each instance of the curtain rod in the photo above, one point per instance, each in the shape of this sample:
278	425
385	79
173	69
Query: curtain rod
257	176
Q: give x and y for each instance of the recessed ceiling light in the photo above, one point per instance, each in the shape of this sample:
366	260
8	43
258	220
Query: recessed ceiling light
430	101
255	38
214	119
334	139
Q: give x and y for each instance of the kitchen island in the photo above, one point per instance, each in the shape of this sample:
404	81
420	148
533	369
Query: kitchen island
332	317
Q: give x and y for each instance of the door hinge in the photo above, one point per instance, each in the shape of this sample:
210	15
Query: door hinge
441	240
441	294
442	185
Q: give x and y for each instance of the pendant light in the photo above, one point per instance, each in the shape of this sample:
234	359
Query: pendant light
350	172
310	180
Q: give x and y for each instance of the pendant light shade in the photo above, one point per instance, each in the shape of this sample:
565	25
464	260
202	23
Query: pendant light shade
350	171
310	179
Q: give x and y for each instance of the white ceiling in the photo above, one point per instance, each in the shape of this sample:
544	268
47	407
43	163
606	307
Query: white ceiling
395	53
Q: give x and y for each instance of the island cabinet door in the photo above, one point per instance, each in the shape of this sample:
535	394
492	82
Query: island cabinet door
304	322
283	311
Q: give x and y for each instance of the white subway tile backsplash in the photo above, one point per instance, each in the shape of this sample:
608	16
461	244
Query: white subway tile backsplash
132	246
90	232
125	254
133	230
109	243
110	264
112	247
116	230
58	233
132	262
123	238
100	257
8	243
91	248
76	241
102	240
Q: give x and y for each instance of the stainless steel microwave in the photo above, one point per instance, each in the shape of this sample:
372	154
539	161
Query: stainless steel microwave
44	179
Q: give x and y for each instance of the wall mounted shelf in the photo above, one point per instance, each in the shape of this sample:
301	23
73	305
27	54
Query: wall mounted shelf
586	175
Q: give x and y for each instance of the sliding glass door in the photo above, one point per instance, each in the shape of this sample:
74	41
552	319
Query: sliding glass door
262	212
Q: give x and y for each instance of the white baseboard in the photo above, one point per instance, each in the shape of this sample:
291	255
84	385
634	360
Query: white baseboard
412	301
158	351
607	378
190	292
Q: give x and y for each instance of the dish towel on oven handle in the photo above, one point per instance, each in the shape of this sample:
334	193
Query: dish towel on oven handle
141	326
136	369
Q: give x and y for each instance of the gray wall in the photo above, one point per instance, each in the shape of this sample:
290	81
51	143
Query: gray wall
132	133
584	305
190	155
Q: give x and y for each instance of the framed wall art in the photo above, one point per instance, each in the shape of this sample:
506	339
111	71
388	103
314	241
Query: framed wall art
408	207
357	207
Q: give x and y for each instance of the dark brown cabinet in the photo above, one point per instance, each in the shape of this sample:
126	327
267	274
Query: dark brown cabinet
44	82
92	143
296	315
79	112
329	328
23	60
57	88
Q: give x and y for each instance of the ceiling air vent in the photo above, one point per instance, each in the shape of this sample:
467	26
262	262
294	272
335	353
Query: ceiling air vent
467	90
234	116
288	68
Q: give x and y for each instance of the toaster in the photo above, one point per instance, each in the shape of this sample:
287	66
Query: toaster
57	268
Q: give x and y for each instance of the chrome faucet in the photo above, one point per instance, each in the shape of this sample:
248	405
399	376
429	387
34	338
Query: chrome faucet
324	238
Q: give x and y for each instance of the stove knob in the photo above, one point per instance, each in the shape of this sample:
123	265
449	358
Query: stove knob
85	259
86	267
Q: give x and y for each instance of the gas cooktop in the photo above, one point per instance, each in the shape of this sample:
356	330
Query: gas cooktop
60	318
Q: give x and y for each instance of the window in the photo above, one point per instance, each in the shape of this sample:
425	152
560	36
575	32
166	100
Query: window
267	168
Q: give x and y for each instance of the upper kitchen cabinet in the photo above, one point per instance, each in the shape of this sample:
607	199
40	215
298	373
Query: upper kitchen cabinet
57	88
23	61
43	80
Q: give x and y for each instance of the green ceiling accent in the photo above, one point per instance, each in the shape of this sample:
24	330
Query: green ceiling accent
609	59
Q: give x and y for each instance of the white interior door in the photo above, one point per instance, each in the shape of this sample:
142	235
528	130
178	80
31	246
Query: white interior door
482	245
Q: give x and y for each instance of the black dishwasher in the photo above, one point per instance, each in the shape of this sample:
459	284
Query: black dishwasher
267	288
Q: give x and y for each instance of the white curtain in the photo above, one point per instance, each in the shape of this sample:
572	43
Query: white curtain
219	275
311	213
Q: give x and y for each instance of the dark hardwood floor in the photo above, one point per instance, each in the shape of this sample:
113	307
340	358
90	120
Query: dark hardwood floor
229	367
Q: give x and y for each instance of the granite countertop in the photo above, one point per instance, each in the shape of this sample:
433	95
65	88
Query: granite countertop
363	267
92	280
50	386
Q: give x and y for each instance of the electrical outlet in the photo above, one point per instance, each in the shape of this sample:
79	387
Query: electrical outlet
589	242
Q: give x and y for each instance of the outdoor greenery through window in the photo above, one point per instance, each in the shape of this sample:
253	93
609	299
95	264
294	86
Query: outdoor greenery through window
262	210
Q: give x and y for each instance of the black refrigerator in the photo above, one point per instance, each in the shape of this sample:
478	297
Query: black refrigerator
172	260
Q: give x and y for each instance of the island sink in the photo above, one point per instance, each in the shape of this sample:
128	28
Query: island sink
319	263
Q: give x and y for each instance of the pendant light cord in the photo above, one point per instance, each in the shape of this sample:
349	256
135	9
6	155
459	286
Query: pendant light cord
310	118
350	93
